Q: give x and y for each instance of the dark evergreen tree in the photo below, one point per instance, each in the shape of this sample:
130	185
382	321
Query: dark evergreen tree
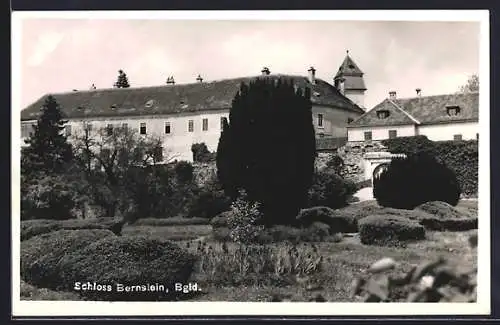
268	148
122	81
48	150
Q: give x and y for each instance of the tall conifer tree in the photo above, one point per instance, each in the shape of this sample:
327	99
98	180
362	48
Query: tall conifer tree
268	148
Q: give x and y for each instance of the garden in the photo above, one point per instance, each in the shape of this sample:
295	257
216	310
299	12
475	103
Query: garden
268	226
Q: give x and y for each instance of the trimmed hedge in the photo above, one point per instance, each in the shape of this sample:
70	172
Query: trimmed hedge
449	224
130	261
460	156
416	179
174	221
331	190
386	230
337	221
444	210
41	254
31	228
222	220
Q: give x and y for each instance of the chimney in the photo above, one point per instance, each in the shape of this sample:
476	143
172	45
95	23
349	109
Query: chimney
419	92
199	79
312	75
92	87
265	71
170	80
392	94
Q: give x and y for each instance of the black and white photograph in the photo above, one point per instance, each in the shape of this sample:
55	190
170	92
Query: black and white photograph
250	163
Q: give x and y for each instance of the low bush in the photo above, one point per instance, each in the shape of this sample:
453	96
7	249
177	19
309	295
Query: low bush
337	221
209	204
388	230
184	171
134	261
443	210
221	234
201	153
330	190
221	220
31	228
115	225
417	179
40	255
449	224
29	292
174	221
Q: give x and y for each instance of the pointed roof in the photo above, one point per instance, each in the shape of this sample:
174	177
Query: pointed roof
349	68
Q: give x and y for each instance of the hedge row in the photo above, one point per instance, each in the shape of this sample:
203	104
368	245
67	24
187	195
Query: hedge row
31	228
174	221
460	156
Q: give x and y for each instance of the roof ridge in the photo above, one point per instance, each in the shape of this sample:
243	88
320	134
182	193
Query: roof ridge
439	95
402	110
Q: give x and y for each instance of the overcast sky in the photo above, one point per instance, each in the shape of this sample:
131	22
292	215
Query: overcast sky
59	55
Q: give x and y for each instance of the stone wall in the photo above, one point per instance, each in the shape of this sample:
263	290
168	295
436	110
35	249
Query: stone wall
204	172
352	155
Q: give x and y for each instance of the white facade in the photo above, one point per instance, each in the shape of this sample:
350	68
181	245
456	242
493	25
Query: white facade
177	143
379	132
434	132
356	96
445	132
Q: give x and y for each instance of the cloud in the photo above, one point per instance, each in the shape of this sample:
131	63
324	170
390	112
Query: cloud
45	45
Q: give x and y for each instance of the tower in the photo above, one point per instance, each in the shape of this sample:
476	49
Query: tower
349	81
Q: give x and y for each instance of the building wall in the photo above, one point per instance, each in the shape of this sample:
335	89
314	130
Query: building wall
380	132
356	96
444	132
177	144
334	120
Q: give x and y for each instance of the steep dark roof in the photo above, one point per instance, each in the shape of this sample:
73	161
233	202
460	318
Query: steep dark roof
349	68
423	110
172	99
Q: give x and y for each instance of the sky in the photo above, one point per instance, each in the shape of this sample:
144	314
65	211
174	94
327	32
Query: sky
58	55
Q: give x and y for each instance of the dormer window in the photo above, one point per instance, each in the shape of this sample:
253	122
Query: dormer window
149	103
382	114
452	110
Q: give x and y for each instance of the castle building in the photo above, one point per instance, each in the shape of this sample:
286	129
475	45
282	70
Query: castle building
184	114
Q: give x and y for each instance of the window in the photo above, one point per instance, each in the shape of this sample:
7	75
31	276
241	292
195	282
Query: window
142	128
393	134
349	120
222	121
167	128
457	137
26	130
158	154
67	130
205	124
382	114
190	126
320	120
452	110
109	129
368	135
321	135
125	126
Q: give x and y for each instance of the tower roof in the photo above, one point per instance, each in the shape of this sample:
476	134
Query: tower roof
349	68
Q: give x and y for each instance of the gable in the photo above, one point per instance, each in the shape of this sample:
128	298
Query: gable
375	117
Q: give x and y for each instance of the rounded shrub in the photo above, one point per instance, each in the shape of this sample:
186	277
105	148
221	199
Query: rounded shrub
209	204
40	255
184	171
449	224
316	232
135	261
115	225
330	190
386	229
409	182
337	220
